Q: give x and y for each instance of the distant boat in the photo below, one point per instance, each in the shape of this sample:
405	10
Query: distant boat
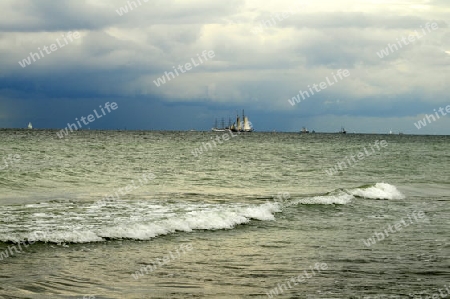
30	126
218	130
244	126
221	129
343	131
304	131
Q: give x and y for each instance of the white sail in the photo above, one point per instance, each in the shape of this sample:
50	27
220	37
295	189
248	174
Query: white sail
238	124
247	124
30	126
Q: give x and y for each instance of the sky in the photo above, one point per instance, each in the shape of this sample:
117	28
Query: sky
225	56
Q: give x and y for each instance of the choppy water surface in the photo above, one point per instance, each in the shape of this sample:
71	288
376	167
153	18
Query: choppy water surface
137	215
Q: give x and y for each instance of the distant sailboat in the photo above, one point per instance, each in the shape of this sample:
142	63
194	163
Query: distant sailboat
304	131
30	126
244	126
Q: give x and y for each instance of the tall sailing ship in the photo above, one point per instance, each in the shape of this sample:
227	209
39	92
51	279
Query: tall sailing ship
221	129
239	126
242	126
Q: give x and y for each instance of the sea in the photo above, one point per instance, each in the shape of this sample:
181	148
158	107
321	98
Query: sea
154	214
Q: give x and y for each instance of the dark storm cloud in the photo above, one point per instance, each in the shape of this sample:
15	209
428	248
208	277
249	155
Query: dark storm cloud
119	57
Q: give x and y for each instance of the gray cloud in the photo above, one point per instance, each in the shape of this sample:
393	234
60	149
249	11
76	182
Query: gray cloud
120	56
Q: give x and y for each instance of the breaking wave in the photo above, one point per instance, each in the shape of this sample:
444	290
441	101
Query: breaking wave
137	225
59	222
379	191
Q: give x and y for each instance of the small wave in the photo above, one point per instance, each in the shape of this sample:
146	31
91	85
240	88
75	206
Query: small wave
345	196
208	218
379	191
339	198
194	220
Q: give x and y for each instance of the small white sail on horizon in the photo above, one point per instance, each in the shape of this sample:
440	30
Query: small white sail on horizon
30	126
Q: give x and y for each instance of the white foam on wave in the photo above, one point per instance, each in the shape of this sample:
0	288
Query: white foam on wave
145	225
78	236
143	220
340	198
379	191
211	219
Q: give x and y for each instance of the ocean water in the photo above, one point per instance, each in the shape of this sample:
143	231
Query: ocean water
110	214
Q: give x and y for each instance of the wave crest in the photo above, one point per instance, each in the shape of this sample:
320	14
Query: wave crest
379	191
